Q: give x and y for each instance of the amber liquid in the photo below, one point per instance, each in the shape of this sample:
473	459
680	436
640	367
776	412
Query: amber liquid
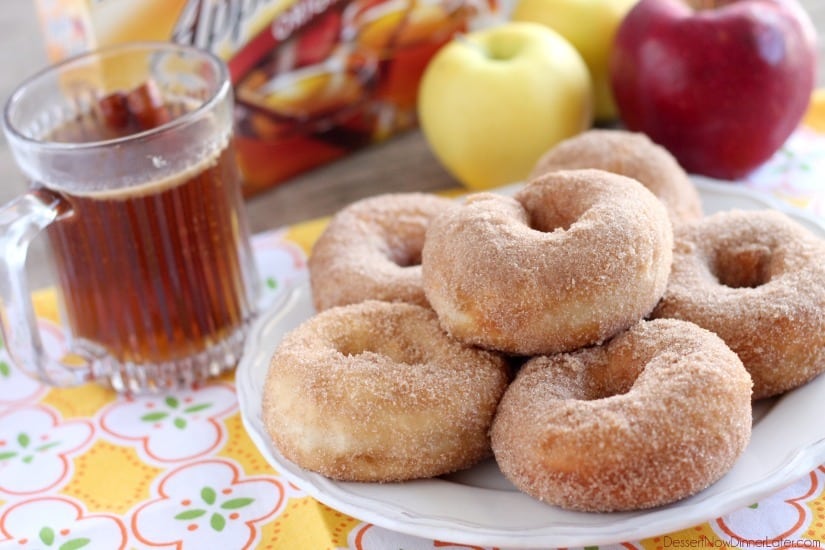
161	272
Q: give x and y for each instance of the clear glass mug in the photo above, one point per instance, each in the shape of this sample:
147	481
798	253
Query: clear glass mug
133	179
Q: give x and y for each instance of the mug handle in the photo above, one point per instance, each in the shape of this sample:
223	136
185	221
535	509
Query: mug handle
21	221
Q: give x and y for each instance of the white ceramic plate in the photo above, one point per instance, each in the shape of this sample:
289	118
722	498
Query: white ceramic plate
480	507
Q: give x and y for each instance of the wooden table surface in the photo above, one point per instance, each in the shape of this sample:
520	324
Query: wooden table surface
403	163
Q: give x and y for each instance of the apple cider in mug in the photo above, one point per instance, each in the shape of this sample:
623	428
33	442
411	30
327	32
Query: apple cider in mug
134	182
159	271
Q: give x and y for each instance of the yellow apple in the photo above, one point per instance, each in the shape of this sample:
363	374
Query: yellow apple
491	102
590	25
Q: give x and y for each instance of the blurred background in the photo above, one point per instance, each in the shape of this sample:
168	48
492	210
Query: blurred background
23	53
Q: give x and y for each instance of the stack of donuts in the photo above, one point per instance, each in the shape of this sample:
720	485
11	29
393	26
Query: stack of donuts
594	333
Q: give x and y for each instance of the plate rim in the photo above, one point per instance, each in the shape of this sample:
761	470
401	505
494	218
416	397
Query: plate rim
629	525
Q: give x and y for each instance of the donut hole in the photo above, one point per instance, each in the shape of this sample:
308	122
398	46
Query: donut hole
405	252
598	373
406	257
745	266
552	218
615	379
394	349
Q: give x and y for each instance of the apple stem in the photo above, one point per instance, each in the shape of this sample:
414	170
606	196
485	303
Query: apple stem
705	4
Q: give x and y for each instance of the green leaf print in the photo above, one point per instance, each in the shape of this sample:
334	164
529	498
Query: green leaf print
217	522
154	416
47	446
172	402
208	495
754	506
24	440
197	408
236	503
180	423
272	283
190	514
46	534
74	544
7	455
5	369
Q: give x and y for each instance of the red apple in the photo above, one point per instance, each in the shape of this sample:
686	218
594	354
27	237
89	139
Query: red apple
719	83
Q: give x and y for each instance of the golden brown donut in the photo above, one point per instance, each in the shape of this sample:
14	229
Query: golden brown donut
757	279
572	259
630	154
655	415
376	391
371	249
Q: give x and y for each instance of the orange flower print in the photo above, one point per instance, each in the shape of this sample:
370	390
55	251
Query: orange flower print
61	524
208	504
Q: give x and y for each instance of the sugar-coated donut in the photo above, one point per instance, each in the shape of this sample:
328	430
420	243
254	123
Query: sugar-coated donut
655	415
376	391
630	154
371	249
757	279
575	257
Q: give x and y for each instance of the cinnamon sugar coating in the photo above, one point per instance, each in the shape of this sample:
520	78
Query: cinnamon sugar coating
630	154
655	415
371	249
757	279
376	391
574	258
